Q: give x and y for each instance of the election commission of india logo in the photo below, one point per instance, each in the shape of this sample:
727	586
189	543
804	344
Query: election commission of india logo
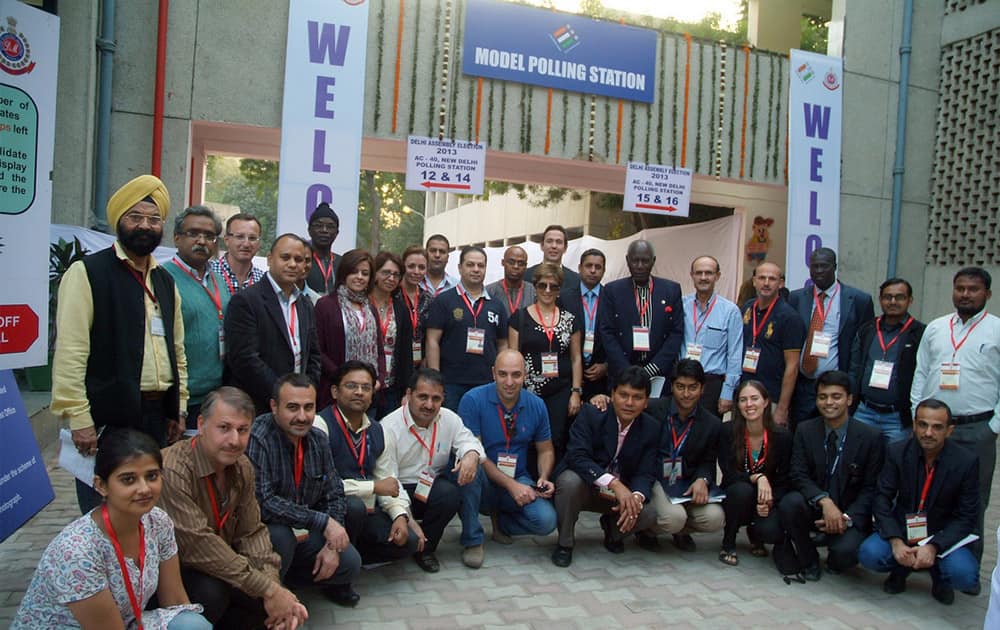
565	38
15	53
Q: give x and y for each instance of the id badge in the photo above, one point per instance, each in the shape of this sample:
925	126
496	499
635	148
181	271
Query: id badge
475	341
949	376
694	352
388	362
418	351
821	345
750	359
156	326
881	374
424	484
640	339
606	492
550	364
507	463
672	469
222	343
916	527
588	342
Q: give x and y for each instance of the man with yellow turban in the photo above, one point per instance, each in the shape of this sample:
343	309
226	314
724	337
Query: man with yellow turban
119	357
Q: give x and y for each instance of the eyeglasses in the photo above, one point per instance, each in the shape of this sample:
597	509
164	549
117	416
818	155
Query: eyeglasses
547	286
354	387
243	237
136	219
385	273
208	237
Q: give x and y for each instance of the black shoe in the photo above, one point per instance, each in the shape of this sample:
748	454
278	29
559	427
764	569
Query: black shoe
944	594
647	541
975	590
427	561
342	595
611	542
562	556
813	573
684	542
895	583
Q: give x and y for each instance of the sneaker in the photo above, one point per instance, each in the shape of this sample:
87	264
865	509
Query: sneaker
500	536
895	583
473	557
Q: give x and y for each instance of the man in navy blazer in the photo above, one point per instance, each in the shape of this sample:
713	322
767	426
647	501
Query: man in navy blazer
610	462
839	310
928	489
641	318
270	327
583	299
835	465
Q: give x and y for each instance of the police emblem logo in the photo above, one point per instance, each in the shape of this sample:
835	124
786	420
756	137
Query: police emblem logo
15	52
746	316
770	330
458	314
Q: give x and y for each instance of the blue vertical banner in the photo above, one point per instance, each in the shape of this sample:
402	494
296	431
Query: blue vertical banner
24	484
570	52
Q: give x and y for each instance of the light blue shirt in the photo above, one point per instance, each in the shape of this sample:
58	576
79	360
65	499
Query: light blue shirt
831	328
590	298
720	335
449	281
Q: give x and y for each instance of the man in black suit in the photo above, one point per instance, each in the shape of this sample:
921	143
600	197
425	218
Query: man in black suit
832	313
610	467
927	501
835	465
689	449
883	360
583	299
270	330
641	320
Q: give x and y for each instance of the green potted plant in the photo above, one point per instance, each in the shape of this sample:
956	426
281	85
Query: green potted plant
61	256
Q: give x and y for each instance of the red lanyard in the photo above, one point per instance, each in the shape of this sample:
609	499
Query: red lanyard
475	313
413	307
819	305
216	297
649	299
767	314
679	442
360	457
758	465
929	471
694	315
389	315
591	313
219	522
550	331
881	341
951	325
429	449
326	271
506	293
230	277
503	425
138	277
136	607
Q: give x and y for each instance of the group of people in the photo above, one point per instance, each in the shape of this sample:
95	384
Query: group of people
343	409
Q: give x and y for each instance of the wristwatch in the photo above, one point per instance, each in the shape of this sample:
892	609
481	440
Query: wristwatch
576	390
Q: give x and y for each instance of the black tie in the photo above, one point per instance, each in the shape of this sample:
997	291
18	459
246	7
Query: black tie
831	451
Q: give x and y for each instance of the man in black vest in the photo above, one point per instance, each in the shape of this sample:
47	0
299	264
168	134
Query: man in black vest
138	376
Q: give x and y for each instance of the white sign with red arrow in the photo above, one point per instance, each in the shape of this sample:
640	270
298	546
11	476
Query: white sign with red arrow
445	165
657	189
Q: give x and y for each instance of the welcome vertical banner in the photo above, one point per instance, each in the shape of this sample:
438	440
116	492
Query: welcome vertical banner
815	114
322	114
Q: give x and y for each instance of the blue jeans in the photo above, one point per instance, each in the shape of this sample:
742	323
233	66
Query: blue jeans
537	518
959	570
888	423
468	512
453	393
188	620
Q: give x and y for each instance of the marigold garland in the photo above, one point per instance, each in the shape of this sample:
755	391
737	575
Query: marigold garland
399	58
378	64
413	68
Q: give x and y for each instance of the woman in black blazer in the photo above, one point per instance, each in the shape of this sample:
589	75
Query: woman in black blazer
754	455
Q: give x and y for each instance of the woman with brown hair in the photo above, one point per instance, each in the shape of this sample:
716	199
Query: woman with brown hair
395	332
416	299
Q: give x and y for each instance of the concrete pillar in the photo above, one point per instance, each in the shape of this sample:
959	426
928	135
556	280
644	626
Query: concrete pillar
775	24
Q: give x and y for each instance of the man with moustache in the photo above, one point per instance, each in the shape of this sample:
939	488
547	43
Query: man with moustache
437	280
324	226
512	292
242	244
271	326
119	358
583	299
204	299
227	563
297	487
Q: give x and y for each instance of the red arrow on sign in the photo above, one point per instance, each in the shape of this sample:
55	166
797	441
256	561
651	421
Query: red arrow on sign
437	185
652	207
18	328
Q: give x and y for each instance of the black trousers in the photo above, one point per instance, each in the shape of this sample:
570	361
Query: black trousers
798	520
298	558
442	505
803	405
557	404
225	606
740	506
711	393
369	532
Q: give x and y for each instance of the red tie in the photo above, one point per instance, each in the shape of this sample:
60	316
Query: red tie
810	362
